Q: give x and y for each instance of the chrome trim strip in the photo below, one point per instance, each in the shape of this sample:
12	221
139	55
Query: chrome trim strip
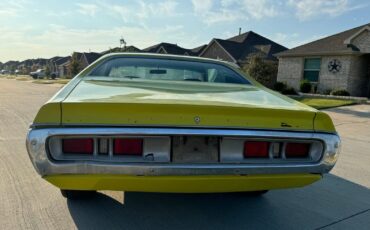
83	126
37	140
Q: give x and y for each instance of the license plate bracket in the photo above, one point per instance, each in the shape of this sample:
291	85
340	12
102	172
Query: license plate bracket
195	149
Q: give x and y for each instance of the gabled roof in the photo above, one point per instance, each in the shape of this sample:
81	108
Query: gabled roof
91	57
197	50
62	60
130	49
119	49
53	59
334	44
169	48
245	45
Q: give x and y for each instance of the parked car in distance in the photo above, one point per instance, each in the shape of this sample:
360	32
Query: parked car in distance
38	74
3	72
165	123
54	75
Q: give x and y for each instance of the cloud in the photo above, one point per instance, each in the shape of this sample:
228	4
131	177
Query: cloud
259	9
308	9
233	10
10	9
87	9
292	40
140	10
202	6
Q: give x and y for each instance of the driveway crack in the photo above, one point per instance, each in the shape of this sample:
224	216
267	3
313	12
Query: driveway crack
346	218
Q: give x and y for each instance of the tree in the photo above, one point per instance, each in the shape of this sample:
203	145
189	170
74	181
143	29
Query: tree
265	72
47	71
75	65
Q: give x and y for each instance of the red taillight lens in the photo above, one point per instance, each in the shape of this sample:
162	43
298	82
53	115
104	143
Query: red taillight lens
78	146
128	146
256	149
294	150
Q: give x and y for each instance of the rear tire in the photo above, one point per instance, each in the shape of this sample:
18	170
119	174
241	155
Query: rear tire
77	194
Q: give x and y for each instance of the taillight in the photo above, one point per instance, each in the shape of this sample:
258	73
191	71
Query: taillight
297	150
128	146
78	146
256	149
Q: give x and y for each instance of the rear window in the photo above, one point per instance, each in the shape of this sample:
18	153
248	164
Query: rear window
169	70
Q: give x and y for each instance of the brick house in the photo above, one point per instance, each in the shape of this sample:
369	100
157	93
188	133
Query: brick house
340	61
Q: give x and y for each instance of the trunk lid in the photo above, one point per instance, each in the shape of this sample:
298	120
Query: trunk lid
182	104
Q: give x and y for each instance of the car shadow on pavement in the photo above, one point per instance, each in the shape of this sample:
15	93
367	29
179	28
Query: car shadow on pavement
332	201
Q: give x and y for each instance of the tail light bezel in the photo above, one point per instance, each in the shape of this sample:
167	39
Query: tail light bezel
232	154
230	151
159	152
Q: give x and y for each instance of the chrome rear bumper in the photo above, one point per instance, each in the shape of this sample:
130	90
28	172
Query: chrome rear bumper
37	146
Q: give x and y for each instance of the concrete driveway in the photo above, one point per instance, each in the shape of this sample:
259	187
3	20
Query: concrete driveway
340	201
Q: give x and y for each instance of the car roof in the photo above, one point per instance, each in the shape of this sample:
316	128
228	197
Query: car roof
169	56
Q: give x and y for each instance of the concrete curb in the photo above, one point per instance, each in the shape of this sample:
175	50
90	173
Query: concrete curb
362	99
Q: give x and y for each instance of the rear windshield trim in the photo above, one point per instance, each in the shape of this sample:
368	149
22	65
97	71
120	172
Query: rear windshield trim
244	80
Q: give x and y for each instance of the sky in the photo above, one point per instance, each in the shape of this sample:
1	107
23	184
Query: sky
40	28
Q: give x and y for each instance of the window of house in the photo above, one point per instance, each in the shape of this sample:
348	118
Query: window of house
312	69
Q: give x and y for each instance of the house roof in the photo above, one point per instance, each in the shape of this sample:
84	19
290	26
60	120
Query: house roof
53	59
62	60
91	57
130	49
198	50
334	44
248	44
168	47
119	49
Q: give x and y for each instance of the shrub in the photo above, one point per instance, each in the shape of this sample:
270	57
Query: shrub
280	86
263	71
289	91
340	92
326	91
315	88
305	86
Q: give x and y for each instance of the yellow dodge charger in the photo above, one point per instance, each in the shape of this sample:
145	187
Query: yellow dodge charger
165	123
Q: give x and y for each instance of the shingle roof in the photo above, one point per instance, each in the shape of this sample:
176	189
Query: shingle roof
250	43
131	49
328	45
169	47
197	50
62	60
119	49
91	57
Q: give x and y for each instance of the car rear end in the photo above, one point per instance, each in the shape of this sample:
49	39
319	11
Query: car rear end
134	135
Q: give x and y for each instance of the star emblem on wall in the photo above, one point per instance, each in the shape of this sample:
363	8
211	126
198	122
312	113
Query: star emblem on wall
334	66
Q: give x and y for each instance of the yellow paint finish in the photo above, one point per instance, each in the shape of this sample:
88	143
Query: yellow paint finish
323	123
161	103
183	115
50	113
182	184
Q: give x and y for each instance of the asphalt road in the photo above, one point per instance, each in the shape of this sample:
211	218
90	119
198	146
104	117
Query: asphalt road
340	201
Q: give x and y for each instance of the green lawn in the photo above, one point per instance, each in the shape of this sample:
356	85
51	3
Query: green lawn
325	103
47	81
